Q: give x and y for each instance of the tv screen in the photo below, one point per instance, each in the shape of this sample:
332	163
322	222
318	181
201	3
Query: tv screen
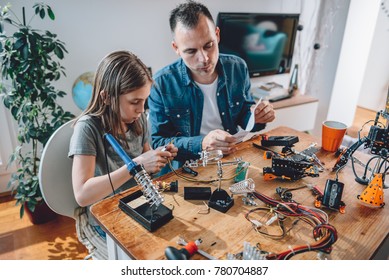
264	41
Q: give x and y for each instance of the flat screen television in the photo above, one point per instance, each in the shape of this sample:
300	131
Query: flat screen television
265	41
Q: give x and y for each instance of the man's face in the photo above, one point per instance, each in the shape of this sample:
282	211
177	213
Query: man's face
199	49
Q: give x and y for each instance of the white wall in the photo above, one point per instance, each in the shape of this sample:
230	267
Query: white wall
360	27
375	82
93	28
322	67
6	148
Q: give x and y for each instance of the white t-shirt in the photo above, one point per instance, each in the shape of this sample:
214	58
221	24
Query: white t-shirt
211	117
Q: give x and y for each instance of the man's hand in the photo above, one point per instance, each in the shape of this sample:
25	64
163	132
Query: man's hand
219	140
264	112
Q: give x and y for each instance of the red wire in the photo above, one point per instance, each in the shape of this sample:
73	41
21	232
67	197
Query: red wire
324	233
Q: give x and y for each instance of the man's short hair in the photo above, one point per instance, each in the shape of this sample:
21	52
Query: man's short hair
188	14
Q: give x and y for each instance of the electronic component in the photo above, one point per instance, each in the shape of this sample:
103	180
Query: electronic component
285	194
249	253
189	170
373	194
307	154
377	139
220	201
289	169
197	193
279	141
241	171
166	186
149	212
243	187
332	196
135	206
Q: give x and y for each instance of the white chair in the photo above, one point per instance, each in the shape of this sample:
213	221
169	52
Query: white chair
55	173
55	181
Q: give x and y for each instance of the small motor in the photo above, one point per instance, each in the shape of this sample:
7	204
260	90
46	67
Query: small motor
332	196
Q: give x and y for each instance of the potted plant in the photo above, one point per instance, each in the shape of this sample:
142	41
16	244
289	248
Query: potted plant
29	65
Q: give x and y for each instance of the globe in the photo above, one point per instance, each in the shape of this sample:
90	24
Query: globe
82	89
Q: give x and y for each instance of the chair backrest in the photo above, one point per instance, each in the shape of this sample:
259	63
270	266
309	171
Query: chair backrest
55	172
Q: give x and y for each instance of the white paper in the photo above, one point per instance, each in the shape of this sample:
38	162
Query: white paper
251	122
243	136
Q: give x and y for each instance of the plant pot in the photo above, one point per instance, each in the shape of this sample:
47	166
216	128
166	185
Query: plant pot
41	215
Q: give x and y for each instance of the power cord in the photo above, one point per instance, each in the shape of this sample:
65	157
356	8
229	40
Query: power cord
106	164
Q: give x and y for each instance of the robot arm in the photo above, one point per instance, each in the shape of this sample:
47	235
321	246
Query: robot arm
347	153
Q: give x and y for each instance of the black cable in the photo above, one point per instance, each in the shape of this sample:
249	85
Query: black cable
337	171
106	163
383	176
363	180
385	159
353	167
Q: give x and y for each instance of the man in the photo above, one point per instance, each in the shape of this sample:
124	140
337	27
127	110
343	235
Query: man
199	101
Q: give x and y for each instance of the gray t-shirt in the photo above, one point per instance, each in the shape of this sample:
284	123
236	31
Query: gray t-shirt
87	139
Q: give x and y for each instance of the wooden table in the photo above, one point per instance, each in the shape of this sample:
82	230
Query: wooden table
361	229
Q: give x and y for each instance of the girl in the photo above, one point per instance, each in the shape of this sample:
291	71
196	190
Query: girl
121	86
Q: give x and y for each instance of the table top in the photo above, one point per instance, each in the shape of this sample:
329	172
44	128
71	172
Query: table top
361	229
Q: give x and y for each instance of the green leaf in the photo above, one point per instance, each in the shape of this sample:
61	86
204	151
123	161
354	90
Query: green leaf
42	13
14	112
21	213
58	52
21	42
51	14
30	63
25	52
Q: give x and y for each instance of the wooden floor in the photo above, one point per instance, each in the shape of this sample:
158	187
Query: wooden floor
361	117
19	239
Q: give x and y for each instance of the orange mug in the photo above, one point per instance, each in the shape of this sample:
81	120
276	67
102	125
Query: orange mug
332	135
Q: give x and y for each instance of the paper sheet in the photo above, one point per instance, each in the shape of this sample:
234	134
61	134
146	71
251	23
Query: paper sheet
243	136
251	122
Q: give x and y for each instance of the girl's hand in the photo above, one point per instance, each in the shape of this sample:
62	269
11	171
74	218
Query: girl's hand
154	160
170	148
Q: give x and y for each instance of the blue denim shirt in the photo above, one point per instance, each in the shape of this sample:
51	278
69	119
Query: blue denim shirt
176	104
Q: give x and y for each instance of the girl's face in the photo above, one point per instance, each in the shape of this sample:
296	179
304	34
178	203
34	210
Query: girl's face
132	103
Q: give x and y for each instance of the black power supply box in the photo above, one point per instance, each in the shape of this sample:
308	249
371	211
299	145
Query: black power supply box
197	193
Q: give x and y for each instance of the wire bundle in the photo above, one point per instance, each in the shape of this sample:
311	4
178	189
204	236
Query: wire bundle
195	180
324	234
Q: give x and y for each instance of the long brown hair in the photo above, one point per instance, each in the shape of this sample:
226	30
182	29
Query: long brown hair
119	72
